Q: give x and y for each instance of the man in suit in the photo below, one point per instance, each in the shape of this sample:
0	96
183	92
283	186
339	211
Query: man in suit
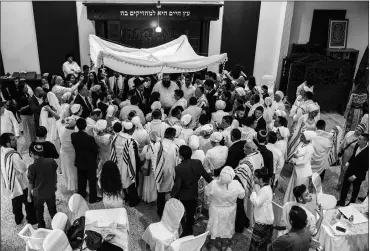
188	173
86	153
36	102
81	99
268	157
116	84
209	87
139	92
236	151
357	167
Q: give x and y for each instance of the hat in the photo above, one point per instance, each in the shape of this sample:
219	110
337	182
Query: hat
136	121
313	107
268	101
66	96
156	105
37	148
216	137
284	132
227	175
178	130
186	119
101	125
280	113
194	142
75	108
56	241
309	135
362	127
70	122
127	125
207	129
280	93
220	104
59	221
240	91
307	89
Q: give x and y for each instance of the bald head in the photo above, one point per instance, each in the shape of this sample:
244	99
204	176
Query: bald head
59	80
38	92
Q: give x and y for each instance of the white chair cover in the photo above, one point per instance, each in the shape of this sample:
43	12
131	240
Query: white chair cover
56	241
269	81
189	243
59	221
33	238
78	206
327	201
160	235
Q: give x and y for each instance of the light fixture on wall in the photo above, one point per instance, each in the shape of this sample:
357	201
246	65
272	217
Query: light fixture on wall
158	28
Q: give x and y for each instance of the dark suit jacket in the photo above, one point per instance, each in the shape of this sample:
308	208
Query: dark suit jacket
268	158
211	100
85	109
236	153
188	173
359	165
36	108
86	150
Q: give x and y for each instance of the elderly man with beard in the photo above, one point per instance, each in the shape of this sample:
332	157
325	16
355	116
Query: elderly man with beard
166	89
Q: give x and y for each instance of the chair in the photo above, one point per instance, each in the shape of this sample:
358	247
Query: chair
327	201
56	241
160	235
269	81
189	243
59	221
78	206
34	238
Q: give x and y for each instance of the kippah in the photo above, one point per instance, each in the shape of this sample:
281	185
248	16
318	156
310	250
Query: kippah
38	148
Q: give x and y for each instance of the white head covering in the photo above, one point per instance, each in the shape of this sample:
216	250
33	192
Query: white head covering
110	111
240	91
156	105
207	129
59	221
313	107
220	104
227	175
186	119
178	130
75	108
100	125
127	125
136	121
268	102
56	241
284	132
280	113
70	122
309	135
194	142
280	93
66	96
216	137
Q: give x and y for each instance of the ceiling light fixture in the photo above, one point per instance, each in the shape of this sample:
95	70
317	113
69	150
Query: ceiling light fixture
158	28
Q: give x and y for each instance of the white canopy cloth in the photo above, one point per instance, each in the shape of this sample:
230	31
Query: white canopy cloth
173	57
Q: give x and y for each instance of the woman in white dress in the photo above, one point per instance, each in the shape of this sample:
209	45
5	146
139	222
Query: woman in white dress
147	155
103	139
49	116
222	195
186	131
220	113
268	113
68	154
282	142
204	138
217	155
111	186
301	160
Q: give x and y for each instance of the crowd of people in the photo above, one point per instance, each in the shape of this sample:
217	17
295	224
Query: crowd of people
217	144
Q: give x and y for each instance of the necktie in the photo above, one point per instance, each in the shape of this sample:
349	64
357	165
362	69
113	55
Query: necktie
88	104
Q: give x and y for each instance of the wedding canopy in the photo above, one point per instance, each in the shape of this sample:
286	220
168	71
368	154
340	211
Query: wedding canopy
173	57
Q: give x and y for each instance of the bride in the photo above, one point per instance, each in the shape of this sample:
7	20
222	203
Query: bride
49	116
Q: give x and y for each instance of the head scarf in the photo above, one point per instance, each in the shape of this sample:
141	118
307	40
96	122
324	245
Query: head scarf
220	104
70	122
207	129
280	94
284	132
186	119
362	127
227	175
156	105
110	111
313	107
216	137
66	96
127	125
100	125
240	91
268	102
136	121
75	109
280	113
194	142
309	135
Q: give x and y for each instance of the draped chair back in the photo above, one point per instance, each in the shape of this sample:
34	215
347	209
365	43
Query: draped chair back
78	206
172	214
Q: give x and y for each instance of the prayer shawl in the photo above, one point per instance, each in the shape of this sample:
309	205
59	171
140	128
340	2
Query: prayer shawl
8	171
245	171
322	144
113	153
333	153
129	160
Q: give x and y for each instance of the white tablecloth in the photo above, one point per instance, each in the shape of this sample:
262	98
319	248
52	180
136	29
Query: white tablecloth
355	239
93	218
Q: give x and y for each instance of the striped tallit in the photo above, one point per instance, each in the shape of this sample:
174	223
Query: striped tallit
113	153
127	158
7	170
245	172
159	165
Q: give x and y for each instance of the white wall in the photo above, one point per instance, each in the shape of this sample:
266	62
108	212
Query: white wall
356	12
215	34
270	30
18	37
85	28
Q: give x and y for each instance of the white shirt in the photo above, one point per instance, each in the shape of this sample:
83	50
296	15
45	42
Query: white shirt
112	81
167	98
302	164
188	91
68	67
9	124
277	156
262	201
90	123
195	113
